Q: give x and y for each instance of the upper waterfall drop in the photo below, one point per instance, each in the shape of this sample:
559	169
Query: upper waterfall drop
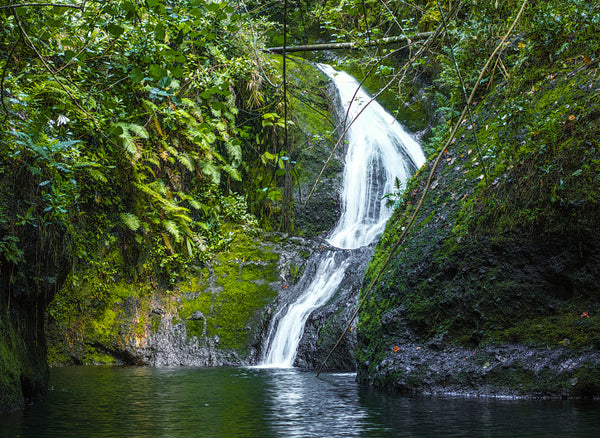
378	151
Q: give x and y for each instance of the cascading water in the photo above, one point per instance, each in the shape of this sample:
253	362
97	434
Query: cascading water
378	151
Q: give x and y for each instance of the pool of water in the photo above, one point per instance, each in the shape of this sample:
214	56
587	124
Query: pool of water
254	402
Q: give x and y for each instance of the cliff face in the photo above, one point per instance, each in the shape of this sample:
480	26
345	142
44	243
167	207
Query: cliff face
214	316
496	287
24	372
25	289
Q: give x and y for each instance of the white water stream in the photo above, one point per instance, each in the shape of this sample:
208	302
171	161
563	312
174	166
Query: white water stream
378	151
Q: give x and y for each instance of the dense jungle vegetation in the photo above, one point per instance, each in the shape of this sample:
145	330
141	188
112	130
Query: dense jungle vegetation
135	125
140	137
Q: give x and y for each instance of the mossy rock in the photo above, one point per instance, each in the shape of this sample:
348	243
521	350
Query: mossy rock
232	300
505	249
214	315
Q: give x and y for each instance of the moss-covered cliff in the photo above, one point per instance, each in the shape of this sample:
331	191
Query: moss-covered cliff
216	311
214	315
496	287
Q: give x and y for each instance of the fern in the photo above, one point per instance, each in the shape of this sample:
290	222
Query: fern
195	204
131	221
235	153
150	106
151	157
97	175
167	243
210	170
127	129
232	172
200	241
183	217
159	186
173	229
186	161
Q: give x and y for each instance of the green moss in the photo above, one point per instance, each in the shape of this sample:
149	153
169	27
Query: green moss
94	357
539	143
525	381
91	311
511	258
306	85
586	381
242	281
569	328
11	395
93	319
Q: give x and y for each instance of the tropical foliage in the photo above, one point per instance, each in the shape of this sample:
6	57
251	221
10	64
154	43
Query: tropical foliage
146	126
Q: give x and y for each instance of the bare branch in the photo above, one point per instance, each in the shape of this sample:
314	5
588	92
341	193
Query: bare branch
334	46
37	5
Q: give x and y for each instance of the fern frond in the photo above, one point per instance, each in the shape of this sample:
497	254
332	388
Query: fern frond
186	161
128	139
235	152
200	241
173	229
158	127
131	221
150	106
232	172
138	130
187	103
183	217
195	204
211	171
151	157
159	187
167	243
97	175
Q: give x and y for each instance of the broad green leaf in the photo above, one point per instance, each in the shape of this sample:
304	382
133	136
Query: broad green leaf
115	30
159	32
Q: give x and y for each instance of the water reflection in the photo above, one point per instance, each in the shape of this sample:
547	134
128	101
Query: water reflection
302	405
249	402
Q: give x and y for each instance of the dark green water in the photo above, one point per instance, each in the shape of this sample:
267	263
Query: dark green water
241	402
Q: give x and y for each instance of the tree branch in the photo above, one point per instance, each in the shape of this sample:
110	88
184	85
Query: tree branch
337	46
35	5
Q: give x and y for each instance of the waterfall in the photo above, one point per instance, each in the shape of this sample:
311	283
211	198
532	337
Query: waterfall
378	151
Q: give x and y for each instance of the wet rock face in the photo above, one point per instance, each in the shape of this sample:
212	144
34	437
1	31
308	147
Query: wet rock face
321	332
510	315
323	209
495	289
326	324
493	370
216	316
506	316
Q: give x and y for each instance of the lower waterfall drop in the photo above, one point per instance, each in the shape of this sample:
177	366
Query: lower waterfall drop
379	151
